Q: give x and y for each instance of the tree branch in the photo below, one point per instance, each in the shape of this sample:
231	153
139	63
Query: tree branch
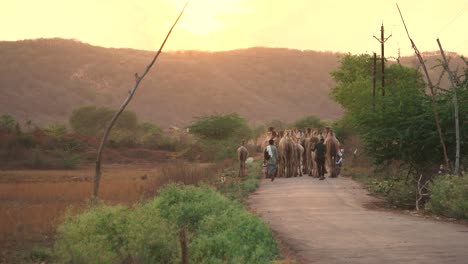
138	80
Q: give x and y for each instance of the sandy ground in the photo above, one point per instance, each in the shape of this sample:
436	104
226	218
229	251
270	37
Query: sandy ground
331	221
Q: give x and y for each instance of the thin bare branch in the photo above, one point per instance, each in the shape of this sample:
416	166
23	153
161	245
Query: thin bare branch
431	87
138	79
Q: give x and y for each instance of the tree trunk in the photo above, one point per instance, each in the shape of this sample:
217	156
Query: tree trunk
183	245
455	106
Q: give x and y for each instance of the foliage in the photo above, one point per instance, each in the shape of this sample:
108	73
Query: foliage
92	121
277	124
56	131
7	123
95	236
150	238
449	196
220	135
220	230
220	127
238	190
309	122
402	126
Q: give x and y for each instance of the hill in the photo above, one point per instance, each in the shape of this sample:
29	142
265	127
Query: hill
46	79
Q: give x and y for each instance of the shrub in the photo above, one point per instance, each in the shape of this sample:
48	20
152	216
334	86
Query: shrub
221	229
309	121
7	123
401	194
95	236
449	196
236	236
151	239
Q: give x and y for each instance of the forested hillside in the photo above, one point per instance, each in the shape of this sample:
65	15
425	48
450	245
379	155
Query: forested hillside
45	79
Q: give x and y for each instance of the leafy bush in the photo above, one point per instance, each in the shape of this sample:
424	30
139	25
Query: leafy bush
402	195
236	236
92	121
222	230
449	196
309	121
219	229
7	123
150	238
95	236
220	127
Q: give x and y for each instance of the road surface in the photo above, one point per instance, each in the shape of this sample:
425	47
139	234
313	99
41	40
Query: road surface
331	221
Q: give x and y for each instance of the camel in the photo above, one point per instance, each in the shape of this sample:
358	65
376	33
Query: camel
286	153
310	146
333	146
242	154
299	158
305	157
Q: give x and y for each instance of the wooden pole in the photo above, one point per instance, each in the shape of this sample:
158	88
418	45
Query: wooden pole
138	79
382	41
455	106
374	77
431	87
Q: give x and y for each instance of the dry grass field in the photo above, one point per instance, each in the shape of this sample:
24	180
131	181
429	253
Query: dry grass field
32	202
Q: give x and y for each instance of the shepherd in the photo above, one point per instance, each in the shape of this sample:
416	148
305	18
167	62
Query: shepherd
271	158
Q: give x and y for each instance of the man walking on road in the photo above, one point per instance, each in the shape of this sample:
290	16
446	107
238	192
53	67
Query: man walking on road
320	150
271	162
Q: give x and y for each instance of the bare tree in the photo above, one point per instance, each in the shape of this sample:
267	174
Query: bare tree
455	106
431	87
131	92
421	191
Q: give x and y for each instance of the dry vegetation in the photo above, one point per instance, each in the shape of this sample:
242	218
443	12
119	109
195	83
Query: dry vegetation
32	202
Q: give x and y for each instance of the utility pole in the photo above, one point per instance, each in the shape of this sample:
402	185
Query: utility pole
374	73
382	41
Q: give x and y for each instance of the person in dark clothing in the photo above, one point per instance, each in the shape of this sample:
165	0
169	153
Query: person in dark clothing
320	151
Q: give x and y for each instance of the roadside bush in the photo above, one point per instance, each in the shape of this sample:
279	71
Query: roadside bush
219	230
402	194
449	196
236	236
222	230
150	238
94	236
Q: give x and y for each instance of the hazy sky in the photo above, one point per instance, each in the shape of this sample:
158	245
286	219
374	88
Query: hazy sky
334	25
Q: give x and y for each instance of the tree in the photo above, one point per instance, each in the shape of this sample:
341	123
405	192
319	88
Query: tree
220	127
309	121
7	123
402	126
277	124
91	120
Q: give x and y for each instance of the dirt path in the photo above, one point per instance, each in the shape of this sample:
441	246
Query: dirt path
328	222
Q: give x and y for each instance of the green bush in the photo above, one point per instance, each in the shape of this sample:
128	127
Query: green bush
219	230
402	194
449	196
95	236
150	238
222	230
236	236
309	121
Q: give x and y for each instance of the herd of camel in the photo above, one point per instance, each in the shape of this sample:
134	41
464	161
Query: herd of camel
296	154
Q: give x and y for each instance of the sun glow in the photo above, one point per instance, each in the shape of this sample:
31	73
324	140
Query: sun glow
206	16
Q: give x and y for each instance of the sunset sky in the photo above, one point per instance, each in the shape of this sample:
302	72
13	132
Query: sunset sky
327	25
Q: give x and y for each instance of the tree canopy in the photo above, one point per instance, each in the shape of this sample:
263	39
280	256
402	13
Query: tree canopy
402	126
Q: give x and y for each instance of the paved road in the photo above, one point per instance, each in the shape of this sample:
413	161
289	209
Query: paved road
329	222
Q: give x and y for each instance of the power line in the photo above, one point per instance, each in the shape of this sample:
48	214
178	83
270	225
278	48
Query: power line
454	18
